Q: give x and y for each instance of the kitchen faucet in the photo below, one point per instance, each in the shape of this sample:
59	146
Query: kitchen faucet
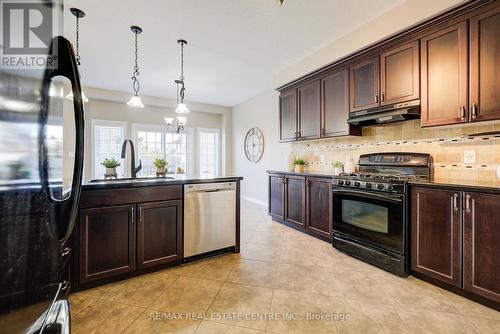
133	170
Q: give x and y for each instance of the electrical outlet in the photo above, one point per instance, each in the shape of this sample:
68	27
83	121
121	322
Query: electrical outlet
469	156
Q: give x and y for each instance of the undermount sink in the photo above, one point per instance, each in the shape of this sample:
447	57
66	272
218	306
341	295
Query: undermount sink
134	180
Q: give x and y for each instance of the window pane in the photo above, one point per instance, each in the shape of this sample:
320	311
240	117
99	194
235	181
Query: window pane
149	148
108	142
209	153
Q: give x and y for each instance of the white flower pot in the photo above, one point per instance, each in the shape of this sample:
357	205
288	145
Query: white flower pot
160	170
111	171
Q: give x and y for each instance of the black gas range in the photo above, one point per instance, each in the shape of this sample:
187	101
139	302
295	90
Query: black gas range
370	208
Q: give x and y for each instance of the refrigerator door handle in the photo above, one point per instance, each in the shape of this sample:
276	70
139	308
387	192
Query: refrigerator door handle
65	210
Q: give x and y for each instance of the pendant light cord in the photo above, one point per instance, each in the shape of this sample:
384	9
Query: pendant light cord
78	40
135	84
182	73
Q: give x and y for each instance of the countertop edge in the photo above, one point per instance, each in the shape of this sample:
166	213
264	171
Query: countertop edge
153	183
312	174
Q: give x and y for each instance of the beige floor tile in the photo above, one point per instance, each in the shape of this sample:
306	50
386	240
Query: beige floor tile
268	237
432	322
261	251
486	326
253	272
78	302
367	317
139	291
151	322
102	316
270	226
295	311
246	235
215	269
469	308
300	278
236	304
188	295
210	327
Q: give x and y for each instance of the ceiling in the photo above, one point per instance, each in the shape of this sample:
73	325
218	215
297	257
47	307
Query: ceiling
234	46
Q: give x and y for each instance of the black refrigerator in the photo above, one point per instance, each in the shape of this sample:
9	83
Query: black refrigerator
41	162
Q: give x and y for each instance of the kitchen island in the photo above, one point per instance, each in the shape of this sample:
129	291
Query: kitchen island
129	227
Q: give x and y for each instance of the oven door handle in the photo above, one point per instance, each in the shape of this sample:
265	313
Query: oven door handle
366	194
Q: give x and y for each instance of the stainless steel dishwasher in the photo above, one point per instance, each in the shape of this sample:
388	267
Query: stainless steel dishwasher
209	217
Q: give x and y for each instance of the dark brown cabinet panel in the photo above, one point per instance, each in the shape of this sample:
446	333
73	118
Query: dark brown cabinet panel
481	244
288	116
485	66
319	206
436	234
309	110
444	76
159	233
335	108
106	242
399	74
276	205
295	192
364	79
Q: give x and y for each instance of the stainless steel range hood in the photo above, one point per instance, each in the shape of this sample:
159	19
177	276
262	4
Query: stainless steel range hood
386	114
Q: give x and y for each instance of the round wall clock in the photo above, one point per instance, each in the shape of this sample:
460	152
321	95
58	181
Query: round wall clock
254	145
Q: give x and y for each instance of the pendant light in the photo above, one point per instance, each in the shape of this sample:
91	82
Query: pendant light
181	106
135	100
78	13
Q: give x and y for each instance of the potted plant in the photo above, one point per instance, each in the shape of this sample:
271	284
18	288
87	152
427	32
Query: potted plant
338	167
299	164
110	165
161	165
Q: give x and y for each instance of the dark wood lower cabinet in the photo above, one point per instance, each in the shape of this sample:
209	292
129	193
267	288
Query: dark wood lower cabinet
276	203
436	234
319	206
106	242
295	209
482	244
159	233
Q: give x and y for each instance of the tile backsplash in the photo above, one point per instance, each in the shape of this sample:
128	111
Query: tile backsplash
445	144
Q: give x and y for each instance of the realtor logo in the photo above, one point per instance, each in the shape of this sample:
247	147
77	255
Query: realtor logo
27	31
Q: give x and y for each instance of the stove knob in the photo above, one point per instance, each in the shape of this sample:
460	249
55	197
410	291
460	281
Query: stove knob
347	183
357	184
340	182
390	187
368	185
380	186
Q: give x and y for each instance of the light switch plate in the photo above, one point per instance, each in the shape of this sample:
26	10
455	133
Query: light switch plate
469	156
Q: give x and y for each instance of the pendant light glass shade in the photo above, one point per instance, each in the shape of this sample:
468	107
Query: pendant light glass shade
135	101
84	98
182	108
182	120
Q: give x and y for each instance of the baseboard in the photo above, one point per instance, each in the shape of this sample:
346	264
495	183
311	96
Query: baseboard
254	200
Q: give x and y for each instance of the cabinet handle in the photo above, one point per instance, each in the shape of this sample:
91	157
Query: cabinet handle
382	97
463	111
64	285
376	98
140	214
467	203
322	132
132	216
475	111
455	202
66	251
308	183
285	180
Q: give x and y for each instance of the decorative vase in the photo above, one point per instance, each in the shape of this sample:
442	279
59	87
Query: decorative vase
299	168
110	171
161	170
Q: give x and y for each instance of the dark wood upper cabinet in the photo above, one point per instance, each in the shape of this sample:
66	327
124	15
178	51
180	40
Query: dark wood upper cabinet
106	242
276	205
159	233
481	244
444	76
335	106
436	234
288	116
485	66
295	192
309	110
364	78
319	206
400	74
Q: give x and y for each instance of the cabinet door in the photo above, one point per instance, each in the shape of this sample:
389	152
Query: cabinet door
400	75
436	234
309	110
485	65
365	85
159	233
288	116
335	97
107	242
276	196
295	192
444	76
481	244
319	206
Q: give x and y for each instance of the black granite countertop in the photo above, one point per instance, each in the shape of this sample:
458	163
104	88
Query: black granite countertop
459	184
305	173
154	181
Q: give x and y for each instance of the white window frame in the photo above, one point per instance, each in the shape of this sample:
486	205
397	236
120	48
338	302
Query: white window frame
218	148
190	142
101	122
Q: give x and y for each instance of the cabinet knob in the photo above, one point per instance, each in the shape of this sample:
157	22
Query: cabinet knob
376	98
475	110
382	97
467	203
463	112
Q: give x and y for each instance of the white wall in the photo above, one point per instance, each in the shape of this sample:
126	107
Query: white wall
261	112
